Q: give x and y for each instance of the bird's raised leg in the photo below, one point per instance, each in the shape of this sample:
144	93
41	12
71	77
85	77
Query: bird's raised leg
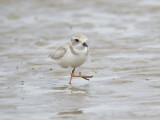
82	76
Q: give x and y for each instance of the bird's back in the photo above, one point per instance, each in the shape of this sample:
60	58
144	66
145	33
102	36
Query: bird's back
60	52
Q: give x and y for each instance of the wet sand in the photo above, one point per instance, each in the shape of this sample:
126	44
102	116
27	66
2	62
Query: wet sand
124	40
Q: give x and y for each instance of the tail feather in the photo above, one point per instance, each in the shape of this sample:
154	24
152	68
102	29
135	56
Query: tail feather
51	56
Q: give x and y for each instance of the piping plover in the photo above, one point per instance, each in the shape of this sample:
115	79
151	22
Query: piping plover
73	54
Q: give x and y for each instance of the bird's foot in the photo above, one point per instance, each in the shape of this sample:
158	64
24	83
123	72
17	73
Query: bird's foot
82	76
86	77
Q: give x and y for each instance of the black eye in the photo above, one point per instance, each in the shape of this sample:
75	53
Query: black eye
76	40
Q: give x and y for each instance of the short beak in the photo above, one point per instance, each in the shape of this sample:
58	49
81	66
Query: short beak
85	44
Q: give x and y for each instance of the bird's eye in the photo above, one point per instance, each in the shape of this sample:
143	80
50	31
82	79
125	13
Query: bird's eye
76	40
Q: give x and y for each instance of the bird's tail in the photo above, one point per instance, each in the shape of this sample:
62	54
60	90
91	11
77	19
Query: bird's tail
51	56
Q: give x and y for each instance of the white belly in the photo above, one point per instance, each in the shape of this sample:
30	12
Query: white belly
71	60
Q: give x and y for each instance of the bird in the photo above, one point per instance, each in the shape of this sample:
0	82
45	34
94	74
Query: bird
73	54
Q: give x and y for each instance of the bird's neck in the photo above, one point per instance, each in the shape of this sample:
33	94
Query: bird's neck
80	50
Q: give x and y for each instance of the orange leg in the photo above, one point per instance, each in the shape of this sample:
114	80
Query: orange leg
72	75
82	76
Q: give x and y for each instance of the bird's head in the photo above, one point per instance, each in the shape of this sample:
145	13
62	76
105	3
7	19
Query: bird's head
79	41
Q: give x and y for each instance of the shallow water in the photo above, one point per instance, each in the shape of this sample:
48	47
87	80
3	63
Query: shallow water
124	45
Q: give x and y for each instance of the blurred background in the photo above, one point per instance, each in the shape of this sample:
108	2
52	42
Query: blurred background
124	40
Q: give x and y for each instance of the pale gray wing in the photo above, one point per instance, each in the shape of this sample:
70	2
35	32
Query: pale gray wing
59	53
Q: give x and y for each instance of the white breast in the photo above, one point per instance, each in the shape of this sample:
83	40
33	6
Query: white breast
73	60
